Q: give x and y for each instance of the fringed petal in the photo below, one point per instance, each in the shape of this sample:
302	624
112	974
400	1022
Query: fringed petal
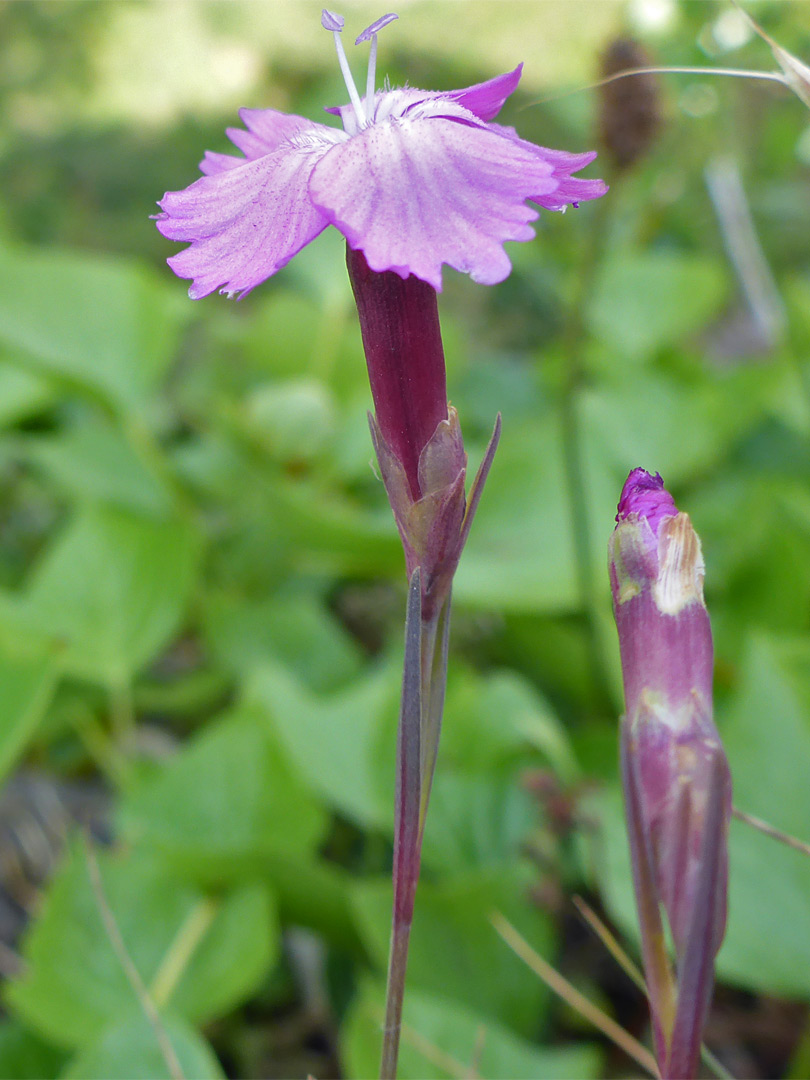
245	223
415	194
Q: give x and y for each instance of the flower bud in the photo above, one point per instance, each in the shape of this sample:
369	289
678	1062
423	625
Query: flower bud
676	778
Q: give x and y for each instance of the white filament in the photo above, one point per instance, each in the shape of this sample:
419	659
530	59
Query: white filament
345	70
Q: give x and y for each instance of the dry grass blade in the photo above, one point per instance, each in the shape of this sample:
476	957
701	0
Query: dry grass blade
433	1054
131	972
769	830
560	985
632	971
610	943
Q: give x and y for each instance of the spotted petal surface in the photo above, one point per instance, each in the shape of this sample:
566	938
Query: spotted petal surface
414	194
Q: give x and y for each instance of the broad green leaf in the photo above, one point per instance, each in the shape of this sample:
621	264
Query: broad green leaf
22	393
519	556
108	594
202	955
455	952
26	688
445	1040
130	1049
476	821
297	629
491	719
333	738
293	421
93	461
644	421
648	300
25	1056
225	804
98	323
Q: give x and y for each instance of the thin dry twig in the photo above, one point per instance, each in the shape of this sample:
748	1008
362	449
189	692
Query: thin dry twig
623	960
733	73
610	942
131	972
770	830
429	1051
560	985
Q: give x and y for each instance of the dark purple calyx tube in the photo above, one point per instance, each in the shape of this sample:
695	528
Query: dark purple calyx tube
399	321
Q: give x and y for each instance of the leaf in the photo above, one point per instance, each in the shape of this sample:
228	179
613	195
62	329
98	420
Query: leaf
645	301
455	953
333	738
26	688
110	328
476	821
24	1056
108	594
74	985
22	394
519	556
443	1039
225	804
644	419
297	629
129	1050
93	461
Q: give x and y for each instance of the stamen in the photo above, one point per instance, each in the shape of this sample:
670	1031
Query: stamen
370	78
334	23
375	28
370	34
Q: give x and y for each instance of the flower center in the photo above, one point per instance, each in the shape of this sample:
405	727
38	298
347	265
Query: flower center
334	23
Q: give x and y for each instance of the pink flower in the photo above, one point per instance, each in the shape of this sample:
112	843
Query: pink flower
415	180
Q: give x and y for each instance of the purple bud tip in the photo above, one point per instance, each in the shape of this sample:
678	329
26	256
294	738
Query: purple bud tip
375	27
331	21
645	495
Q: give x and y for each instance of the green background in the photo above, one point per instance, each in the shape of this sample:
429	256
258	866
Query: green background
202	589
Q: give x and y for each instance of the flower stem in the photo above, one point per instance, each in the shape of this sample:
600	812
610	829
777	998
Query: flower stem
423	685
572	439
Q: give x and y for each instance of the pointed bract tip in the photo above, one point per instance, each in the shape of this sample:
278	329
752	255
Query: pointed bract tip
375	27
332	21
645	495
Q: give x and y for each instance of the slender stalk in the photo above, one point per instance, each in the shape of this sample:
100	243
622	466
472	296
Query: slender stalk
572	436
770	830
423	685
563	988
119	947
732	73
623	960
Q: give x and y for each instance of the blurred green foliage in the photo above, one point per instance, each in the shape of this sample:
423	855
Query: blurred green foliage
201	587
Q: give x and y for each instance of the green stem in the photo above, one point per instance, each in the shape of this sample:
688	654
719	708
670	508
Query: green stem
573	461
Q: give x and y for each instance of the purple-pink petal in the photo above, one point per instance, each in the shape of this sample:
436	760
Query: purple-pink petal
213	163
417	194
645	496
266	130
244	223
571	191
485	100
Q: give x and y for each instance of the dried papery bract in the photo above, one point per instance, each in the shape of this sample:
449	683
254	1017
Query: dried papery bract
674	770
